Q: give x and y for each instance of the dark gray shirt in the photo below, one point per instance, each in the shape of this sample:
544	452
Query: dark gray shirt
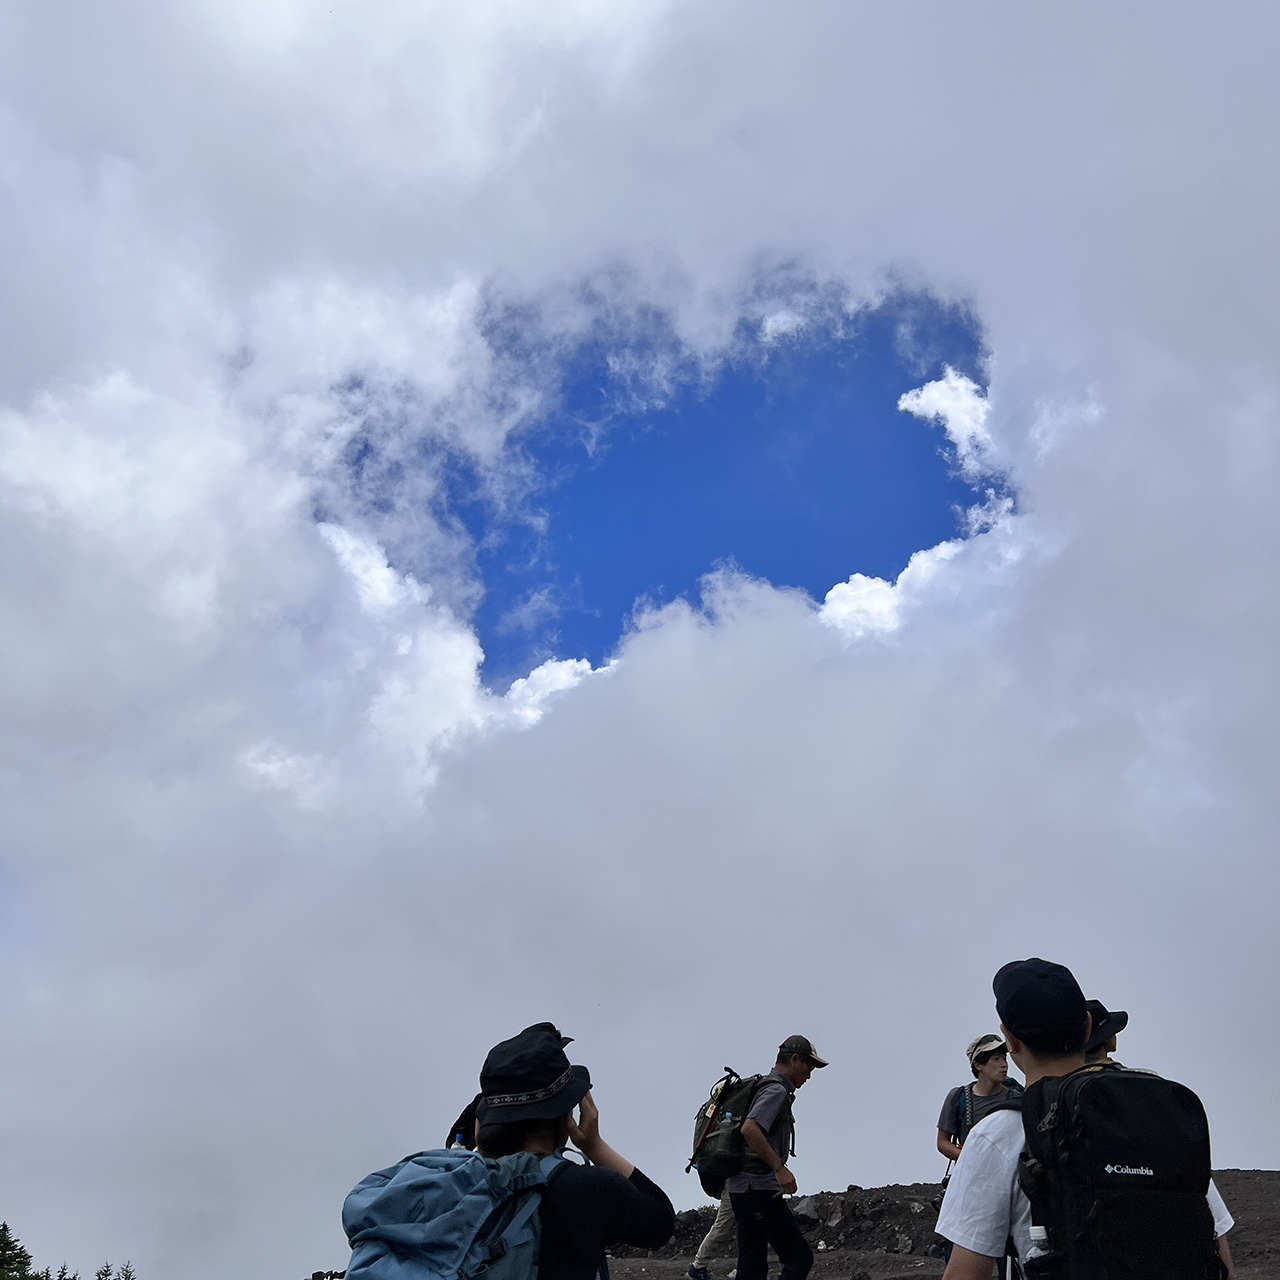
952	1120
771	1110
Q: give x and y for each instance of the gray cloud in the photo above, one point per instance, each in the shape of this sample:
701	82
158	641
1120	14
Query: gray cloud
279	870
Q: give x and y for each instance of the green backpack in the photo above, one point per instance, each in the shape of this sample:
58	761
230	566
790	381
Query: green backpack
719	1149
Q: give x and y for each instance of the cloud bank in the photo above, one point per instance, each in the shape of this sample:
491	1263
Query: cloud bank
277	869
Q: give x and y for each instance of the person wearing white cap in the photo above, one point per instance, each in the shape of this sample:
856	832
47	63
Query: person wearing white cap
966	1104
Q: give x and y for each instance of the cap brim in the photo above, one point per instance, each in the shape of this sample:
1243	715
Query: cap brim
996	1046
551	1108
1111	1025
817	1061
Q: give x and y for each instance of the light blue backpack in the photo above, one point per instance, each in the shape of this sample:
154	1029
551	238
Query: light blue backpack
448	1215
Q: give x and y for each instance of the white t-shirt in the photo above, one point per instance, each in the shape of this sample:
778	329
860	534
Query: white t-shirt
1222	1219
984	1204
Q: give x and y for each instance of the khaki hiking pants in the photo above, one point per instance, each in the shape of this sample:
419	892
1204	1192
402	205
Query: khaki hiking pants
719	1241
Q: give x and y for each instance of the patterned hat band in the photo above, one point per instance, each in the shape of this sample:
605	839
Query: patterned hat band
538	1095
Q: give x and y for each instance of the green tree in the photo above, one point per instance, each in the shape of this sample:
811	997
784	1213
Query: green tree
15	1261
126	1272
104	1272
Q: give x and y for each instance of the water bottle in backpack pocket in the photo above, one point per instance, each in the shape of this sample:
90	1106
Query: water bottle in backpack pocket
719	1149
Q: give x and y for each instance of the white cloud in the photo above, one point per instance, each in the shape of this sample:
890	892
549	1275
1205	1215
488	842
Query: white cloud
958	403
529	695
272	839
871	606
275	768
381	589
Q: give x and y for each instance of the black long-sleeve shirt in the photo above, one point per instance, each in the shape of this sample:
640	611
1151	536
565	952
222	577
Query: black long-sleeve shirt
586	1208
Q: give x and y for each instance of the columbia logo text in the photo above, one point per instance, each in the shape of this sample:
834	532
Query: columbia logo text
1126	1168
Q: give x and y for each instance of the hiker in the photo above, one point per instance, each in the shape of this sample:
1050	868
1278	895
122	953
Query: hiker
1099	1047
762	1216
1106	1025
462	1133
966	1104
1045	1023
514	1208
715	1241
529	1094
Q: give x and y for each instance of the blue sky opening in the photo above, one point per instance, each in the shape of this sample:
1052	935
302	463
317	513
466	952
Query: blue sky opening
791	461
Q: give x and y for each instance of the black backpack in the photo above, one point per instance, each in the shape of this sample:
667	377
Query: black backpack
719	1149
1116	1167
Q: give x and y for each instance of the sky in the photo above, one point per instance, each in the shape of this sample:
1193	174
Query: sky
788	458
695	522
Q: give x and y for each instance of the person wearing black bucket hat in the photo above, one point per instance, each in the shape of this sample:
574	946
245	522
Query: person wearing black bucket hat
528	1094
529	1078
1106	1025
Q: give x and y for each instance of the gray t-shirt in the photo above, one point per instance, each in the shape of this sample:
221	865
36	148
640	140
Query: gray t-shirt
951	1119
771	1110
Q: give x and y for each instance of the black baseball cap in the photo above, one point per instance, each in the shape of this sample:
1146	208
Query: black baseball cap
1042	1004
1105	1024
529	1077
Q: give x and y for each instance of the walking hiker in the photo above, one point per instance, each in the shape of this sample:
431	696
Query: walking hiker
427	1218
716	1241
1127	1220
762	1216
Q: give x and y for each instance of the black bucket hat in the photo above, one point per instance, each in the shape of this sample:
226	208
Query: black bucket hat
529	1078
1105	1024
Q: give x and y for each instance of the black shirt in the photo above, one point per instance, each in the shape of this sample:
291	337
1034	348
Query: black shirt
584	1209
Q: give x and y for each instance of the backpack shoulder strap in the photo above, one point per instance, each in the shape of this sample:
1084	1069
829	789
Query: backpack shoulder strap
514	1230
522	1215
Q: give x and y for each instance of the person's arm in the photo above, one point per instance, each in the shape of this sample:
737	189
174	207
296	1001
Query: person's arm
1224	1252
630	1208
585	1134
947	1145
967	1265
754	1136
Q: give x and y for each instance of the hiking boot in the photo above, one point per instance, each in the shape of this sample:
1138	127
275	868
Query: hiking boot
699	1273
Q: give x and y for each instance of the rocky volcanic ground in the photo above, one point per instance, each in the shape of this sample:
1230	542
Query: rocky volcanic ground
884	1232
